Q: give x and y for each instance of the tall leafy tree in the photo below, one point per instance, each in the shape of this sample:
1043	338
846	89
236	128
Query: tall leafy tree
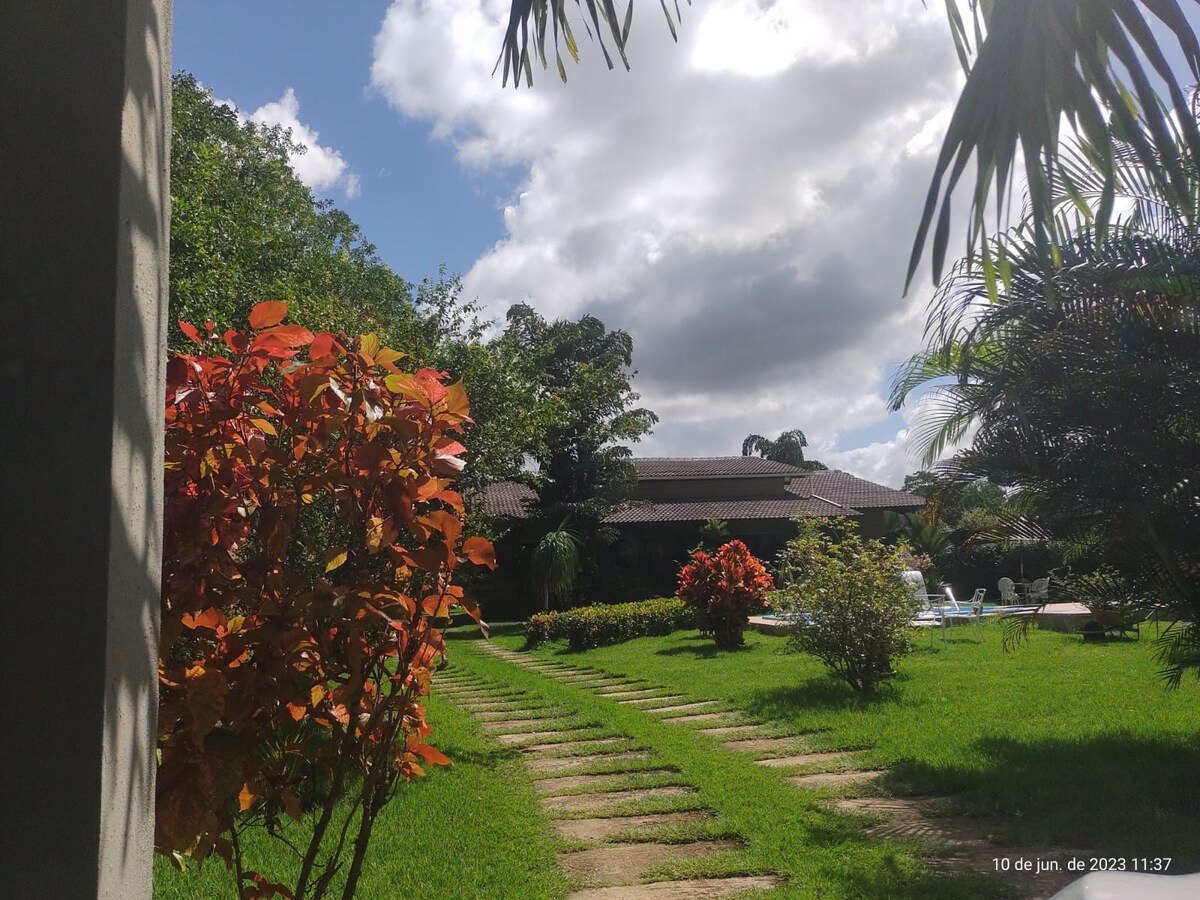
787	448
245	229
586	400
1087	62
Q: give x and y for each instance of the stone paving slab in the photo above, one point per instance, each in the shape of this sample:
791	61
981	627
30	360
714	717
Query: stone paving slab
555	784
711	717
731	732
623	864
692	889
645	701
632	692
562	763
520	736
605	799
602	829
572	745
802	759
827	779
685	707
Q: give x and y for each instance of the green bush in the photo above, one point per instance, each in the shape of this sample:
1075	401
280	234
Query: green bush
851	607
602	625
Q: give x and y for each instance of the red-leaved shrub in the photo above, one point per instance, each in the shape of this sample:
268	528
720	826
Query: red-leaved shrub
725	588
310	537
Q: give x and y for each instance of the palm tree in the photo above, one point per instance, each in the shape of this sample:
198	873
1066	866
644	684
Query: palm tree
554	568
1080	379
787	448
1090	62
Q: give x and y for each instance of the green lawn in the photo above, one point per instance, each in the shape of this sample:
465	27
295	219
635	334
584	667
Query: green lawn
474	830
1071	744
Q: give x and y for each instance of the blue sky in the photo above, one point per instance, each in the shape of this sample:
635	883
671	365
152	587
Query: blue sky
416	204
741	202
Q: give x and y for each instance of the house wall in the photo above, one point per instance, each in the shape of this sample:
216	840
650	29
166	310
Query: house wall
709	488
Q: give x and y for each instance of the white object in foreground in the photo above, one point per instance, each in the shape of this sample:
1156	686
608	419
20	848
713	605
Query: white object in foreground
1131	886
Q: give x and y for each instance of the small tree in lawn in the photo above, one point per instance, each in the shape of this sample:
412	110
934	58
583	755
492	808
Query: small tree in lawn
852	607
554	569
310	538
725	588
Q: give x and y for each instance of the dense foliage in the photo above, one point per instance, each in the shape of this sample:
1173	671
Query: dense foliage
849	605
1079	378
310	539
582	373
605	624
724	589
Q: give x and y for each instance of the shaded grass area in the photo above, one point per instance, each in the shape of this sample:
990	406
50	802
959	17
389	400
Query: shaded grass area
786	831
1069	744
474	830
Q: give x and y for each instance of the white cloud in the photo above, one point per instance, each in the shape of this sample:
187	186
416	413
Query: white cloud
321	168
742	203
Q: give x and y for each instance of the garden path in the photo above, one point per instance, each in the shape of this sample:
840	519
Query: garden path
962	844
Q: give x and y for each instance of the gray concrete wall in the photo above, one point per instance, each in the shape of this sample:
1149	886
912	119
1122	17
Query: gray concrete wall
84	109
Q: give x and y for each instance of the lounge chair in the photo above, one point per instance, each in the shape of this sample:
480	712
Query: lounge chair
927	616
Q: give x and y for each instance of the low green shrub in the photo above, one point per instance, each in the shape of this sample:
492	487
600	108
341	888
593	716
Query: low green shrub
606	624
851	608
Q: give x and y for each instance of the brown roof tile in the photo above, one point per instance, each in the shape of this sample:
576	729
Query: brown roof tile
700	510
844	488
651	467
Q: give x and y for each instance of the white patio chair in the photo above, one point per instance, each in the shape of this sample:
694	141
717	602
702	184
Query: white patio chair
1039	591
927	616
961	612
1008	592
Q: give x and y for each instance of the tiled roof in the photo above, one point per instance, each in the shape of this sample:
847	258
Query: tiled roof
709	467
504	498
844	488
700	510
830	493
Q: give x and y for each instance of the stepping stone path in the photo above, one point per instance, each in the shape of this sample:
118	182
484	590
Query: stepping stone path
967	841
590	808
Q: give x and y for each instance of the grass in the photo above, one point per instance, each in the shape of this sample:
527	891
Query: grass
474	830
1070	745
782	829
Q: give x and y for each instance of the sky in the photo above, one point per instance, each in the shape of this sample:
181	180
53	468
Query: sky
742	202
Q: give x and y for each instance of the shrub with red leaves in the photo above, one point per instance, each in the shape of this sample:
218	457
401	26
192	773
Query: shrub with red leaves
725	588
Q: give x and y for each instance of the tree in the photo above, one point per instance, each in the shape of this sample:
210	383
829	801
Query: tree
1080	382
245	229
311	537
554	569
1088	62
787	448
585	399
952	500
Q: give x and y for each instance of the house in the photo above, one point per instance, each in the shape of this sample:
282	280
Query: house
757	498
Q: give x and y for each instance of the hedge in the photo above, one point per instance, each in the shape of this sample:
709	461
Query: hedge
605	624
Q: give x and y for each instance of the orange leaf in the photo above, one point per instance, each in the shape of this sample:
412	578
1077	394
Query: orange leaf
296	711
322	345
190	331
282	337
431	754
245	798
267	313
209	618
480	551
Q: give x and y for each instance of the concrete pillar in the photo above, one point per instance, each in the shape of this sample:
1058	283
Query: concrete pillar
84	208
